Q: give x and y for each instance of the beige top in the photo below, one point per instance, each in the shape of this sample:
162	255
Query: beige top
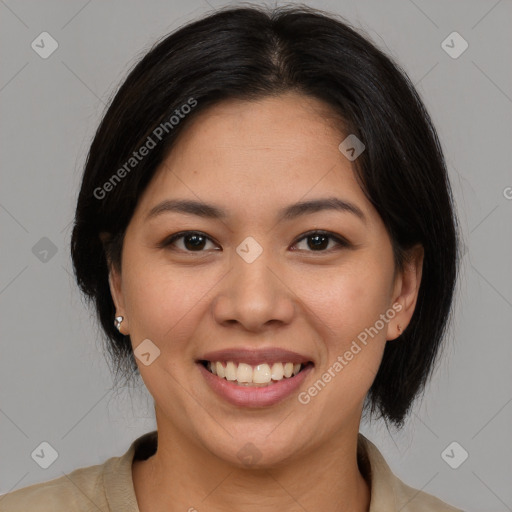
108	487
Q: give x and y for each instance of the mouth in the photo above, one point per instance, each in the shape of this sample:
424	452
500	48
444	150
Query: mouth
254	378
263	374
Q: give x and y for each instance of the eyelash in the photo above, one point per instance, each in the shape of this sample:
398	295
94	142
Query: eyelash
341	242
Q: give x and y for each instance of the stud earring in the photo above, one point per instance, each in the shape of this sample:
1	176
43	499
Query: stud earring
399	329
118	321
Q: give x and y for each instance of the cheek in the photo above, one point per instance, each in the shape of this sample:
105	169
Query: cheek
349	300
164	304
346	316
347	305
149	296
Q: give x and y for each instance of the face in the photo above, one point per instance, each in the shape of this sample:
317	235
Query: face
255	282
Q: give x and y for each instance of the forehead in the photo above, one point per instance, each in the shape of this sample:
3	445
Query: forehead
286	123
263	154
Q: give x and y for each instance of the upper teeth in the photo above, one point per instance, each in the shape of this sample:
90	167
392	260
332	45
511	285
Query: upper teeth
259	374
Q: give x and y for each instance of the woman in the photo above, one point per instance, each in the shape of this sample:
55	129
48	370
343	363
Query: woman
266	228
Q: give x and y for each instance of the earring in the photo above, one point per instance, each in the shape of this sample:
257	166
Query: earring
118	321
399	329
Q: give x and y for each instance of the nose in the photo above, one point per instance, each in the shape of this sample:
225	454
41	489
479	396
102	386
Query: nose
254	295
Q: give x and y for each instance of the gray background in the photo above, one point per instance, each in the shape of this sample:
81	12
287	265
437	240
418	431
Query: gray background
55	384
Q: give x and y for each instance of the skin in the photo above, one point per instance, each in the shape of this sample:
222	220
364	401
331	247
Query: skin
252	159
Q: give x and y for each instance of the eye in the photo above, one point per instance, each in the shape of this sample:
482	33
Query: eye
320	240
193	241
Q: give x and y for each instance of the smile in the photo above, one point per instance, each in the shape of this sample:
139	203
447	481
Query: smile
254	394
259	375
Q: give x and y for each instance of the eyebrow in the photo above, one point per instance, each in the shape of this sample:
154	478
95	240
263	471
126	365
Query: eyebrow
192	207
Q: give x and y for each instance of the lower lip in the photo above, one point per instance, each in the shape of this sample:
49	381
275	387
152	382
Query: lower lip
247	396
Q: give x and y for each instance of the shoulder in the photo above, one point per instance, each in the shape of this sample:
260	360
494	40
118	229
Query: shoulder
388	492
80	490
413	500
106	486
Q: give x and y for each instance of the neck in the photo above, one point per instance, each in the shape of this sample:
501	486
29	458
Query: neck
182	475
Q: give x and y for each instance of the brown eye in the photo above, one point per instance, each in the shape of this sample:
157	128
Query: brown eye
193	241
318	241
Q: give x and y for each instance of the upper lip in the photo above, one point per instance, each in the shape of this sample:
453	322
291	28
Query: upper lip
266	355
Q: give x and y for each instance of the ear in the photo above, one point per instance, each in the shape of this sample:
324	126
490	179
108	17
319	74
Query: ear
116	289
407	285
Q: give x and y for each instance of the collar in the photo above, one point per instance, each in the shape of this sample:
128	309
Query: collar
388	493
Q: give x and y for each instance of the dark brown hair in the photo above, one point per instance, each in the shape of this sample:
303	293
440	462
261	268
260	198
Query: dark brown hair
250	53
